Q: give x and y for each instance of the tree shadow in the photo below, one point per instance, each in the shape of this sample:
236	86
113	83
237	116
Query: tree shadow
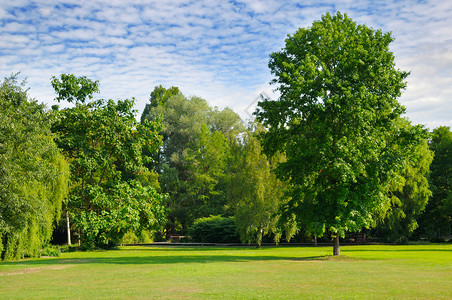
157	259
397	250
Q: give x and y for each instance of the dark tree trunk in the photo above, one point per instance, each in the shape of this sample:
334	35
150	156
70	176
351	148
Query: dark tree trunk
315	241
336	250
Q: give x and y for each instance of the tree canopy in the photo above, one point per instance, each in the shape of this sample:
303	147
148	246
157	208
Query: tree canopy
33	173
437	219
193	160
104	144
409	193
335	121
75	89
255	193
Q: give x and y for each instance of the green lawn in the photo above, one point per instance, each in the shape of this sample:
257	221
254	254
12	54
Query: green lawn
362	272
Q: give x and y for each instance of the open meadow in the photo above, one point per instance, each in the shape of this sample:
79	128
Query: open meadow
423	272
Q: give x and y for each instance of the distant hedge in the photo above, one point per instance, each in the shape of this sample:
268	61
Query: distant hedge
214	229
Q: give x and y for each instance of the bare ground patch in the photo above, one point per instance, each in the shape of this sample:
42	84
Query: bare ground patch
32	270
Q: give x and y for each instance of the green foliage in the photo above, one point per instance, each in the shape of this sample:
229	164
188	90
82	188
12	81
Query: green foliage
159	96
409	193
33	173
214	229
225	121
74	89
143	237
112	191
115	210
437	219
192	163
49	250
205	161
335	121
255	192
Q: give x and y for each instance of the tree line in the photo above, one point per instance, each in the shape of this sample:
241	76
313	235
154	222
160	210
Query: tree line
333	155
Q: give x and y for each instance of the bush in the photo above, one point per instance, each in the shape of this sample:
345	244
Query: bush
214	229
69	248
144	237
50	250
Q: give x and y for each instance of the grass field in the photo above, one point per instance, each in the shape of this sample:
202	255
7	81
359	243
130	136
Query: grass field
362	272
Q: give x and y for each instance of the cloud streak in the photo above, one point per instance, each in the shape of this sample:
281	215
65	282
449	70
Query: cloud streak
214	49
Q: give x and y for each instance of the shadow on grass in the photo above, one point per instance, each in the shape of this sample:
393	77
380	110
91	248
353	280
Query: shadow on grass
178	259
396	250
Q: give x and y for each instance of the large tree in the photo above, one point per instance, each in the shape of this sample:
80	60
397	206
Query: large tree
104	144
192	159
437	219
335	121
205	160
33	173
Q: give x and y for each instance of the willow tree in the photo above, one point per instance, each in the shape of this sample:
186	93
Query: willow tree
255	193
436	222
335	122
409	193
33	173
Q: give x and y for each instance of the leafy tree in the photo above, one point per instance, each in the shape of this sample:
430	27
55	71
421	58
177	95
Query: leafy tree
182	120
159	97
437	219
104	143
33	173
255	192
193	134
206	160
409	193
226	121
335	122
75	89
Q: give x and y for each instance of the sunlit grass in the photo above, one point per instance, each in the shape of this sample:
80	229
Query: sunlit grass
235	273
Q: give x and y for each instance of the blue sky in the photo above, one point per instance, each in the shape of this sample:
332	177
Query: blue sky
217	50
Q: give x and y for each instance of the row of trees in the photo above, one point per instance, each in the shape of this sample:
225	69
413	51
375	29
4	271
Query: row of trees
332	155
208	170
211	164
184	161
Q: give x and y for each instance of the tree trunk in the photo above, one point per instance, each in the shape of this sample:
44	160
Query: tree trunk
259	237
336	250
68	228
315	241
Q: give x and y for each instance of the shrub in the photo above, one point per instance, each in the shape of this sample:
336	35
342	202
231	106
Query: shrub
144	237
214	229
50	250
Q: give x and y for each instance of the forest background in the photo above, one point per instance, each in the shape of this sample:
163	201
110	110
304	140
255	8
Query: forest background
111	178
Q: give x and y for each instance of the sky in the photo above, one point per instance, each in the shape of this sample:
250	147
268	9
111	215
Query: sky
217	50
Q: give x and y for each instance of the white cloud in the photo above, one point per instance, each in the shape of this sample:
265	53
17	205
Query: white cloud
215	49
